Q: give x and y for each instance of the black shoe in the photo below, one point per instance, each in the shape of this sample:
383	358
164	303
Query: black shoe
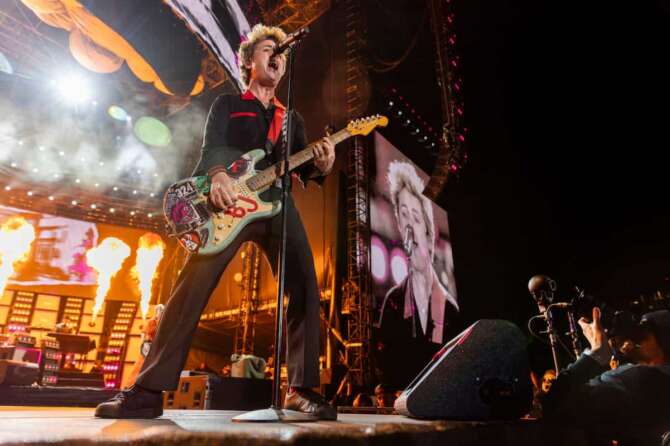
132	403
310	402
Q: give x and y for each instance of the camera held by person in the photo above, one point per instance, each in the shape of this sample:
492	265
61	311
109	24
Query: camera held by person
628	404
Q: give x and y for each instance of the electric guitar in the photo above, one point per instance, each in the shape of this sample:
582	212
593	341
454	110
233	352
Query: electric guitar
204	230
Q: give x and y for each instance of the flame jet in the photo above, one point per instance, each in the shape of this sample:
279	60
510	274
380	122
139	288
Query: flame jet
16	238
106	259
149	254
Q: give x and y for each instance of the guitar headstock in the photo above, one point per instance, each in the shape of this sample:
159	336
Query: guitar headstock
364	126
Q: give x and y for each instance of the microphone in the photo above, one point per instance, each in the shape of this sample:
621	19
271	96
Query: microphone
542	289
408	240
290	40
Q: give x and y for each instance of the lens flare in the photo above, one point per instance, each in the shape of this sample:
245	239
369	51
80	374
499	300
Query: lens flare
16	238
149	255
106	259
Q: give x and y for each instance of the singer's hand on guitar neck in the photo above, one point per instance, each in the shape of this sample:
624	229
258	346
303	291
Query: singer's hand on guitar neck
222	193
324	155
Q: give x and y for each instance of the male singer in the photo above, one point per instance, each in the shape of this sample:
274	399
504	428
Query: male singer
237	124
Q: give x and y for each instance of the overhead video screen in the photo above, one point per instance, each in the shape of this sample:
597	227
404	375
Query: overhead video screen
412	266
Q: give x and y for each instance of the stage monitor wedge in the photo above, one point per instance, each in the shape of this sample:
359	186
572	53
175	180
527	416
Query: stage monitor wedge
481	374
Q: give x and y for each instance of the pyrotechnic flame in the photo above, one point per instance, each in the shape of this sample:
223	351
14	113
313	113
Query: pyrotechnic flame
106	259
149	255
16	237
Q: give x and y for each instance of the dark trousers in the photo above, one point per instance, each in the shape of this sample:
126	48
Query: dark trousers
200	277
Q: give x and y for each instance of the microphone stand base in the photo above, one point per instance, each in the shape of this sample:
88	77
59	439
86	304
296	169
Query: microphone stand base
272	415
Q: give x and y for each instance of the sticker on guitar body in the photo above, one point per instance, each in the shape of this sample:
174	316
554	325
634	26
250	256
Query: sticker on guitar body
239	211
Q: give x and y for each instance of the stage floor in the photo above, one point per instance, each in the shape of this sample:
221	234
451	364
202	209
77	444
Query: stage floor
78	426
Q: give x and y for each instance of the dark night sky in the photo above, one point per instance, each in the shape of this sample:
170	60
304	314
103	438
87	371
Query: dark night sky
565	105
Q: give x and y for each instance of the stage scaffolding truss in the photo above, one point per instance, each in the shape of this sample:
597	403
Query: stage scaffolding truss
356	290
452	156
291	15
246	317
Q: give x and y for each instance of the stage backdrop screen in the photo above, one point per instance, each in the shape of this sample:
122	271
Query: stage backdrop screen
412	268
57	255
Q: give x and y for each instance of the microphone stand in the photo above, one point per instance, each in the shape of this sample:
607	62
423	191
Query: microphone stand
275	413
553	338
574	336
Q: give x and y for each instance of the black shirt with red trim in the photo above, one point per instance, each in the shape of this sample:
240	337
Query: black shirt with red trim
237	124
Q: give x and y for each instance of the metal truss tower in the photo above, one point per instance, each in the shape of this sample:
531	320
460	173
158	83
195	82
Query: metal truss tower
356	291
246	317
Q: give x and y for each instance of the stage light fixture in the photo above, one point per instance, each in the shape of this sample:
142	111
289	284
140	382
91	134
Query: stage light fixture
73	88
112	210
51	198
132	213
77	181
94	206
61	153
30	193
73	202
115	188
8	188
13	164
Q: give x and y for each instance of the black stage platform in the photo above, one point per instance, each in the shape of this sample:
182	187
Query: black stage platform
77	426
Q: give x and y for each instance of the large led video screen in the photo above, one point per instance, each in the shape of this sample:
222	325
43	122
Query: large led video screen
56	253
415	298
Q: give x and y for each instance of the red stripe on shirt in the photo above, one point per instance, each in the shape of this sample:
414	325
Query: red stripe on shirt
239	114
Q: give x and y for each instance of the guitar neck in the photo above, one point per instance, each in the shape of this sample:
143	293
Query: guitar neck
268	176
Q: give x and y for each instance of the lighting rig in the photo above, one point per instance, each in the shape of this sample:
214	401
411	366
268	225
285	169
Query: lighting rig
121	205
402	113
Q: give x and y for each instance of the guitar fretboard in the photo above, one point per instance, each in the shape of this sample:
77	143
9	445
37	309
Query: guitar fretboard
268	176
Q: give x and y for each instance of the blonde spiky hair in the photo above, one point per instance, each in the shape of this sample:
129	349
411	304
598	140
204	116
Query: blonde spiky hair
402	175
257	34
